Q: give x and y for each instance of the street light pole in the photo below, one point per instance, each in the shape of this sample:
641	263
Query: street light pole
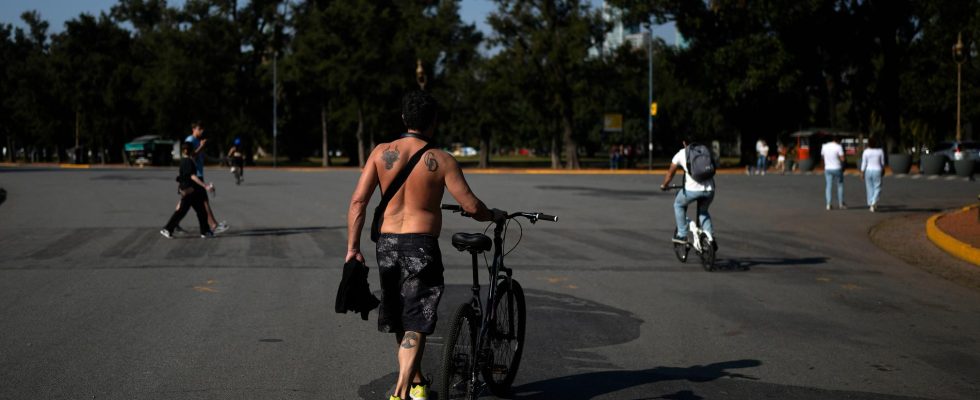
275	110
650	97
958	58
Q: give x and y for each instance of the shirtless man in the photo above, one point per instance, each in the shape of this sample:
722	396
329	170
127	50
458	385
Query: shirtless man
409	260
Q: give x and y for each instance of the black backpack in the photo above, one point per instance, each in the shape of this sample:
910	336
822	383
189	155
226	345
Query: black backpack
700	162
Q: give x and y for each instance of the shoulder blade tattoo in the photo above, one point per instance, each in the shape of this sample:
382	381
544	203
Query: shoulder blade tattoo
430	162
390	156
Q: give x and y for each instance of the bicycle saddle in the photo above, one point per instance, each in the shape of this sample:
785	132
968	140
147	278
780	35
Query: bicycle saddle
472	242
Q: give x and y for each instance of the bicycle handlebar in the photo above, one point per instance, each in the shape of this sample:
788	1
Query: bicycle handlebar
669	187
532	216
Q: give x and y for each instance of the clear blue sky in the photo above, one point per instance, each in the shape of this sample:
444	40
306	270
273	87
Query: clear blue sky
56	12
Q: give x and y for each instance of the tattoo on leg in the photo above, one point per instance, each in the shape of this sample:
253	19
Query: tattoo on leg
430	162
411	340
390	156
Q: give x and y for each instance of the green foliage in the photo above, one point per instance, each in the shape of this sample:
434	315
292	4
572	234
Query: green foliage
748	69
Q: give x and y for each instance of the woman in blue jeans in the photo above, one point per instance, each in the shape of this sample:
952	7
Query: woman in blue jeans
872	169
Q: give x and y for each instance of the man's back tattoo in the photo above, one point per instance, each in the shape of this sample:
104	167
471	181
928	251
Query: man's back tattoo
390	156
430	162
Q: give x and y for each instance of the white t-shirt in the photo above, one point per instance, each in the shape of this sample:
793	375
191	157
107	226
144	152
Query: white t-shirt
872	159
689	183
831	152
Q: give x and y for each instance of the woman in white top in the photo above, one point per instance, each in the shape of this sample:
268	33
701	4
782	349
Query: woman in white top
872	168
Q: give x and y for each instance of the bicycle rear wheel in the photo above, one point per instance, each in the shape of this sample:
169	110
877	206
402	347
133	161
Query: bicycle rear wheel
707	253
458	357
681	250
506	337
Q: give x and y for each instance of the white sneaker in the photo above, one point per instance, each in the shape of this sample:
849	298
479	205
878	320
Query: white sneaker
828	207
166	234
222	226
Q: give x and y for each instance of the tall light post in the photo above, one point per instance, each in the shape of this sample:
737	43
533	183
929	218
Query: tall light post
650	96
958	58
275	109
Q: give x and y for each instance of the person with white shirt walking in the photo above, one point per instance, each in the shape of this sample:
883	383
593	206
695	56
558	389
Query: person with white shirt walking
872	169
833	170
762	150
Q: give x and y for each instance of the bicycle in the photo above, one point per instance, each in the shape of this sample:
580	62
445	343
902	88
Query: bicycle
484	346
236	164
701	241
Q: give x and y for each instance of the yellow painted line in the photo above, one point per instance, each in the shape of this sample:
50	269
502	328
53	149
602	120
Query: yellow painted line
548	171
204	289
74	166
950	244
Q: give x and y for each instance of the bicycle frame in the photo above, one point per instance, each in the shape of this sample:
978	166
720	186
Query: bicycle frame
487	318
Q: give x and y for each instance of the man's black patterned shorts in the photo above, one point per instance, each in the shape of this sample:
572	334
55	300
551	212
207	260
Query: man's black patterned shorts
410	266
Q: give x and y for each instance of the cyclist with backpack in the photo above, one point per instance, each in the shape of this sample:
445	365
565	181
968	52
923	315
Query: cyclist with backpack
699	167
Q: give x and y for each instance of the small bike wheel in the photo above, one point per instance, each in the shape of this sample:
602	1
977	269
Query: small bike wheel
458	357
681	250
707	253
506	337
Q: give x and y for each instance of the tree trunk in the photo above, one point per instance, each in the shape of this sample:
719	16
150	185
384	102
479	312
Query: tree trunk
360	137
555	158
323	128
571	148
484	147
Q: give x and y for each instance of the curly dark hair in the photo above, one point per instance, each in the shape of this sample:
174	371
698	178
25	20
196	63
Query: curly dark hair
419	110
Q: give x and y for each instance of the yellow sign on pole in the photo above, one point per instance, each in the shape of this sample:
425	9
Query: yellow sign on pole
612	122
653	109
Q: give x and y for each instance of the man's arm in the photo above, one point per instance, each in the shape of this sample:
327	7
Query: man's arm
358	207
460	190
669	176
200	147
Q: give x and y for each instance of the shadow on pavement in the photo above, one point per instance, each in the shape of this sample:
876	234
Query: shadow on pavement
281	231
592	384
560	330
902	208
745	264
3	195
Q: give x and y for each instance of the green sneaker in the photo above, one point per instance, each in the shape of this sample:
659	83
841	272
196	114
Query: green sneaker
419	392
394	398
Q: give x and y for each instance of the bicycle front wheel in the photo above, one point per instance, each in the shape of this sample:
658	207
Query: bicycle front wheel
506	337
458	357
707	253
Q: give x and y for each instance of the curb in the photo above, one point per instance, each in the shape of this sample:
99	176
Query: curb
948	243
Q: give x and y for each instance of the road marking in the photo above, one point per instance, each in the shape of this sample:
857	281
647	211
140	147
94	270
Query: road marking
850	286
949	243
822	279
206	288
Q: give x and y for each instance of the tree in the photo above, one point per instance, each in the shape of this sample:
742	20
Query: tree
547	42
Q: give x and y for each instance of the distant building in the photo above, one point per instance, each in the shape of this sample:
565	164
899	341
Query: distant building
620	34
633	35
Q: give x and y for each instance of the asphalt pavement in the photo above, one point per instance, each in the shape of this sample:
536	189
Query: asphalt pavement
95	304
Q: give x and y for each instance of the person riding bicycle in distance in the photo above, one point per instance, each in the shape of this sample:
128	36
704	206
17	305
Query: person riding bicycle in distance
699	166
409	259
236	156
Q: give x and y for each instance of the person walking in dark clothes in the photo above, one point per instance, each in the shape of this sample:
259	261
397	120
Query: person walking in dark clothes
192	195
